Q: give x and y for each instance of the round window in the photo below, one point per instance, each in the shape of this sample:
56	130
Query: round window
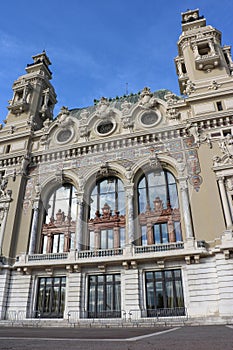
149	118
105	127
64	135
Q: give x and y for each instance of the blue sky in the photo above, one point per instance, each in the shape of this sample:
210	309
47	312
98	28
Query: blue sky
99	47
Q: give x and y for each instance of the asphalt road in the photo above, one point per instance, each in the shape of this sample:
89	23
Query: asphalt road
177	338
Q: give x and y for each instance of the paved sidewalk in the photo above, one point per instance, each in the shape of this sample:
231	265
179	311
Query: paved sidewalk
158	338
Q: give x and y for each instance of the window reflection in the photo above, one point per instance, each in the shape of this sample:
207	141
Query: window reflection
164	293
50	297
58	231
110	191
158	208
106	222
104	298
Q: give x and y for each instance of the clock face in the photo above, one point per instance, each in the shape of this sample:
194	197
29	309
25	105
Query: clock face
149	118
105	127
64	135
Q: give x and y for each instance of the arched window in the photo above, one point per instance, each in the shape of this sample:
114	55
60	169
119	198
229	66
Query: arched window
106	222
58	229
158	208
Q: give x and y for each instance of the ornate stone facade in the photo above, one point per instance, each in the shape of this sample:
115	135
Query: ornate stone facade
123	209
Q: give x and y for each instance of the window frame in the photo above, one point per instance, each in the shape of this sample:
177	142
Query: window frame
161	213
58	226
94	309
110	220
50	313
175	282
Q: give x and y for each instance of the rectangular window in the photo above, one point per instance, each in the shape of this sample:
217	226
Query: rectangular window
160	233
104	297
144	235
58	243
122	237
106	239
164	293
50	297
177	229
8	148
203	49
226	132
219	106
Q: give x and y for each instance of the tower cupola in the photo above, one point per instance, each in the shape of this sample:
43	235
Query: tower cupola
201	57
34	97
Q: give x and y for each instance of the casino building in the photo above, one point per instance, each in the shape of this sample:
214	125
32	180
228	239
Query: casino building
123	210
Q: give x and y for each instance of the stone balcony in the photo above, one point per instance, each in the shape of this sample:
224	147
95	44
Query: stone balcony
129	253
207	62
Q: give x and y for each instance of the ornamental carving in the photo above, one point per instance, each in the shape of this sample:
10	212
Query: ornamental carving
214	85
125	107
229	183
173	114
103	109
147	99
127	122
226	145
189	88
107	218
63	119
4	193
157	215
83	127
60	225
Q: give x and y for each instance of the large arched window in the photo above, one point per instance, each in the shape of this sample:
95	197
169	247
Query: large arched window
58	229
158	208
106	222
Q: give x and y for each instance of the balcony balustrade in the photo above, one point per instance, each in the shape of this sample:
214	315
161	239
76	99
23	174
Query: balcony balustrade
127	252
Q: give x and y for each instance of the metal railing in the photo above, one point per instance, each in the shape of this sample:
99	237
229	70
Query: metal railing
166	315
88	318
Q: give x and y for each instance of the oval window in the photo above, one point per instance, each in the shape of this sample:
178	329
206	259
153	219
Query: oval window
149	118
64	135
105	127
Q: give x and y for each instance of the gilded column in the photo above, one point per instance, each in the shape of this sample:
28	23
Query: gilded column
225	204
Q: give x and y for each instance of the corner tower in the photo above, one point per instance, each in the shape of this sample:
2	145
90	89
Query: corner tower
34	96
201	59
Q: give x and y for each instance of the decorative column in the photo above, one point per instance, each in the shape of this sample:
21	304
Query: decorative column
5	199
225	204
186	209
4	212
195	51
150	238
79	221
34	228
130	228
179	67
97	239
116	237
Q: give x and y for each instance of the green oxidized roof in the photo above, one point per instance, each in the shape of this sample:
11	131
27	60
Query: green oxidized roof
118	101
